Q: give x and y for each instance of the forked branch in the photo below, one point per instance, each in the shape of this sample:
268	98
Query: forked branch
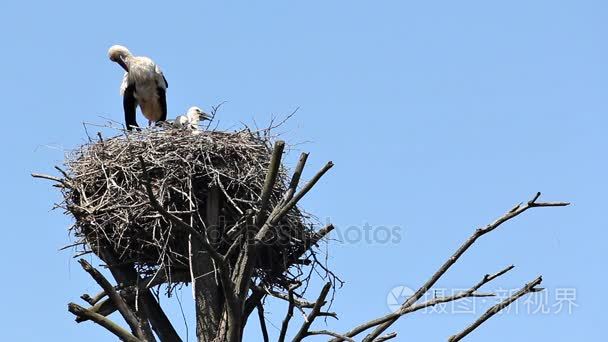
314	313
472	292
528	288
289	315
103	321
122	306
515	211
388	320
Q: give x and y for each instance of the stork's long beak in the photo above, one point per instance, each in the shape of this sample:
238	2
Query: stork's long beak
122	63
205	116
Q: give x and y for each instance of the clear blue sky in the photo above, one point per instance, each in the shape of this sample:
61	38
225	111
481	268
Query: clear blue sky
439	116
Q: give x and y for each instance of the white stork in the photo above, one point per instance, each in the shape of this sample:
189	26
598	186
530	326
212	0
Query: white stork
143	84
191	119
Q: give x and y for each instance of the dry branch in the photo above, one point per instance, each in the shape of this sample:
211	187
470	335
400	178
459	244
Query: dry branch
263	323
271	177
314	313
329	333
246	260
105	322
471	292
282	210
93	300
289	315
384	322
528	288
386	337
55	179
295	179
518	209
299	302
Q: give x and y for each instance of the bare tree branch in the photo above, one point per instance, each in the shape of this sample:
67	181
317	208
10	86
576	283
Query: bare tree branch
271	177
289	314
280	211
106	307
329	333
295	179
122	306
65	174
528	288
386	337
472	292
518	209
263	322
55	179
299	302
246	260
105	322
303	332
93	300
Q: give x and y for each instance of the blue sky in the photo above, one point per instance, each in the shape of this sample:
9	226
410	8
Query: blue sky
439	116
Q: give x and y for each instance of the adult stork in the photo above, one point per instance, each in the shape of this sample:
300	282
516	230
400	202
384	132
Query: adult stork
143	85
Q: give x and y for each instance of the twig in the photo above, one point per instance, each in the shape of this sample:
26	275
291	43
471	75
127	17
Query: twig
528	288
43	176
105	322
303	332
65	174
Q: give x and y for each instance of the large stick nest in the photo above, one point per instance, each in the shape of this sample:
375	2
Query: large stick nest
105	194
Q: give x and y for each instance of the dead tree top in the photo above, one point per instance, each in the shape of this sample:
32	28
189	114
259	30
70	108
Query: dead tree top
103	189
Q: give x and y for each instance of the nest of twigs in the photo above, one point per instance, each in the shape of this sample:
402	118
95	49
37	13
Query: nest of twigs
106	195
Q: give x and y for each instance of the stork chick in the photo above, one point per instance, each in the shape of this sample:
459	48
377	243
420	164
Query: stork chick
191	119
181	121
143	85
196	115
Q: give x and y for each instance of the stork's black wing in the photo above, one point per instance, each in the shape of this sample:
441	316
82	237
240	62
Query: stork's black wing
129	104
162	98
